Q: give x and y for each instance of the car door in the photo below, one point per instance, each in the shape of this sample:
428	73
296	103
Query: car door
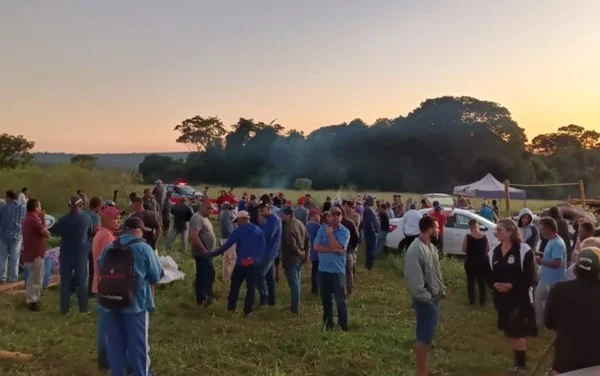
457	226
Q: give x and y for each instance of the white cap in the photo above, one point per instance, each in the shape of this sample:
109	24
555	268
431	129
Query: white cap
241	214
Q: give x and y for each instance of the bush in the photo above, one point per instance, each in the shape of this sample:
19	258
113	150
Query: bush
303	184
56	184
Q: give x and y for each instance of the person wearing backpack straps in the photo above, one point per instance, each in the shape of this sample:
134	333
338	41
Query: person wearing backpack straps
127	270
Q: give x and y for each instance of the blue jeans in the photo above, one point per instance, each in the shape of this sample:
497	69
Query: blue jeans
333	285
294	277
240	275
10	252
205	278
102	337
381	236
370	246
73	268
427	315
127	334
265	283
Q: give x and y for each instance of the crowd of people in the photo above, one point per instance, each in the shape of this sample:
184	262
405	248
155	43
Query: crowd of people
532	272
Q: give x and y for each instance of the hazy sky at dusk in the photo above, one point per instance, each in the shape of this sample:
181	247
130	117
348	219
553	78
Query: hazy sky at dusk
108	76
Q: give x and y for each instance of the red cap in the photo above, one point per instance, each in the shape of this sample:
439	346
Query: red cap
280	194
313	212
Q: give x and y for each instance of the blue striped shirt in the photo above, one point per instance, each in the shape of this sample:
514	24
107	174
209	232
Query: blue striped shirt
11	216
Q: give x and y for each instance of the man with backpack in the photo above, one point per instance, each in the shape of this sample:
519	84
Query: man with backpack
127	270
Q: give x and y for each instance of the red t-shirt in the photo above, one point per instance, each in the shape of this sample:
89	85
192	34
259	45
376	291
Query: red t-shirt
34	243
440	218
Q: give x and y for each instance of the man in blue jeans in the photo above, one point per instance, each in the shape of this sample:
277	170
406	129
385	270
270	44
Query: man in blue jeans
295	249
270	224
127	328
423	276
74	229
250	247
11	239
331	243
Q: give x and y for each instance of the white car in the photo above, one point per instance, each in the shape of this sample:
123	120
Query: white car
445	200
456	228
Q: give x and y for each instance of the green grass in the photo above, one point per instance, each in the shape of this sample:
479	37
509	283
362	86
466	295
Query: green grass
189	340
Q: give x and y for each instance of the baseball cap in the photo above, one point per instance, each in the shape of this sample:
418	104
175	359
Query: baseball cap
313	212
110	211
75	201
412	207
280	194
437	208
134	223
335	209
241	214
588	263
286	210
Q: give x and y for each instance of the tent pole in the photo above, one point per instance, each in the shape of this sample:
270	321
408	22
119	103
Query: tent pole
582	194
507	197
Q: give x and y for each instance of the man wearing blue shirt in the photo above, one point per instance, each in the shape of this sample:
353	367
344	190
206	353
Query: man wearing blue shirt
331	243
250	247
127	329
74	229
552	265
270	224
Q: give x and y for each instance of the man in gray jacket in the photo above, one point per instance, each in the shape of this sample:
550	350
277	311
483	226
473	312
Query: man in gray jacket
423	276
295	250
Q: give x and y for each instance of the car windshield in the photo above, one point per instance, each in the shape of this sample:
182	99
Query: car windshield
185	189
485	222
443	200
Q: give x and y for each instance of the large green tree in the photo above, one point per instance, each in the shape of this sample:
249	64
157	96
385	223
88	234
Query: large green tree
15	150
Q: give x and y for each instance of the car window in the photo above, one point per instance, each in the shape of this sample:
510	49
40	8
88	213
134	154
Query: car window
458	221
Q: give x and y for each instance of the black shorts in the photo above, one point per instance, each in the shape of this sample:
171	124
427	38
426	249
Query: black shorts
517	322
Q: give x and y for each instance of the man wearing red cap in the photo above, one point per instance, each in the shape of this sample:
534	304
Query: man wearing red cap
110	221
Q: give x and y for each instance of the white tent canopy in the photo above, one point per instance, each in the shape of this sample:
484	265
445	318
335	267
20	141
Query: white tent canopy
488	187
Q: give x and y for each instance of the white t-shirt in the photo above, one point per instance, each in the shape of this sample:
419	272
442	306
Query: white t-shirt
22	199
411	223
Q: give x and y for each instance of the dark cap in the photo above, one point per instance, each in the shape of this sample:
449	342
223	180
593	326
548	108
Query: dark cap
134	223
75	201
286	210
588	263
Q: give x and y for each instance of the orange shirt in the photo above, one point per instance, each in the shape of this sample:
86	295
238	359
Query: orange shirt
102	239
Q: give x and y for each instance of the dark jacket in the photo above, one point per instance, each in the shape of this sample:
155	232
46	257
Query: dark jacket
295	243
249	243
370	222
572	310
351	226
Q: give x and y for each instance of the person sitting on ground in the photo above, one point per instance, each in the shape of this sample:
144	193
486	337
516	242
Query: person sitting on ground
251	249
571	310
127	319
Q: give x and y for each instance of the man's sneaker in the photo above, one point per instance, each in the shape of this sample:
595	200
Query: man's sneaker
520	370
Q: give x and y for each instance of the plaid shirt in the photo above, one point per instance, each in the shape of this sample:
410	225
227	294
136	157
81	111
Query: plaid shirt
11	216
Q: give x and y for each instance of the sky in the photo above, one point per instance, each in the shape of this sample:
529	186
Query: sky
87	76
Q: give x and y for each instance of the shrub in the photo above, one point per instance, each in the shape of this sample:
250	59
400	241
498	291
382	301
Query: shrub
303	184
55	184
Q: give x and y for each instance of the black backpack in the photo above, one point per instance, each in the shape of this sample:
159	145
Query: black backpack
117	282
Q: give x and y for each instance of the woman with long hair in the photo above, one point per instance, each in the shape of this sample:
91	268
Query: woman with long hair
511	278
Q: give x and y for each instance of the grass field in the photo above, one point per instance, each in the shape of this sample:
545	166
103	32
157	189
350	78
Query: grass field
189	340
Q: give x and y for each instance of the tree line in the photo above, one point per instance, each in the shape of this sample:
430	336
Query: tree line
444	142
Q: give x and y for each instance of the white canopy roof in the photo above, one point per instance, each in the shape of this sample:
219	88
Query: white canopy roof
488	187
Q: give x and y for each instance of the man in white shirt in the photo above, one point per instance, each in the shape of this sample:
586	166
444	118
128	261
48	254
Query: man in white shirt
410	227
23	196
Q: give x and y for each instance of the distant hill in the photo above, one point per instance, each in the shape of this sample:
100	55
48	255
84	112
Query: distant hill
120	160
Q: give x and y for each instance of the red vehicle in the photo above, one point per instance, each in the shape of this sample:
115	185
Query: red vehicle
180	189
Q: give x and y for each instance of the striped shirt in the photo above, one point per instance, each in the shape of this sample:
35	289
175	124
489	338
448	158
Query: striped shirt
11	216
